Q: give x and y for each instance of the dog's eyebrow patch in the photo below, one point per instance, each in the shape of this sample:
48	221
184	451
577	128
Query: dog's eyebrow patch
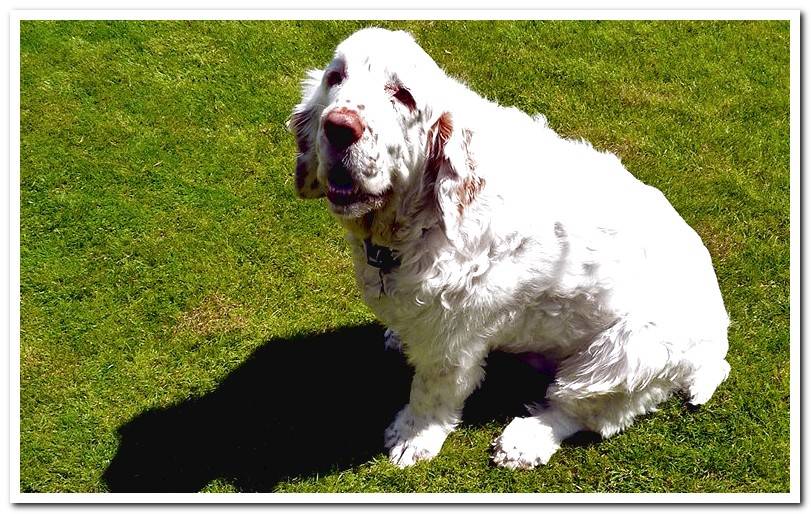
335	73
397	90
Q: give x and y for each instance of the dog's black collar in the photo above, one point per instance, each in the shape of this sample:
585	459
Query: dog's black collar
380	257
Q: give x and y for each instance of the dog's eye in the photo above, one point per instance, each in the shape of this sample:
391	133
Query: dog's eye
402	95
333	78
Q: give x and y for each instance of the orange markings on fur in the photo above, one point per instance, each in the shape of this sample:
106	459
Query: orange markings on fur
468	191
445	126
435	153
438	136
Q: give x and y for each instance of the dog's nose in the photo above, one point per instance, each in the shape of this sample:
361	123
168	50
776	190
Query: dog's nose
343	127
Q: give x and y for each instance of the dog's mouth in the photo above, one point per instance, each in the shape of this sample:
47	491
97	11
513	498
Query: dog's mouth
346	197
341	188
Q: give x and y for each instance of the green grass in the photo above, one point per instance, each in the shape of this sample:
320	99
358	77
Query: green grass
162	246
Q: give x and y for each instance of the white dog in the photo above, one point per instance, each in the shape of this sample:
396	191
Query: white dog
475	227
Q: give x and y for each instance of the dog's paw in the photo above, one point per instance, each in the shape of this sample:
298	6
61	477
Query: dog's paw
524	444
410	441
408	453
391	341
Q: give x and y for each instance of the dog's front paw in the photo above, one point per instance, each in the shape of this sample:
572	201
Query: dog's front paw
391	341
410	440
525	444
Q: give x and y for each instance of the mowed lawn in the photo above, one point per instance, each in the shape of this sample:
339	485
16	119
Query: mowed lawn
187	324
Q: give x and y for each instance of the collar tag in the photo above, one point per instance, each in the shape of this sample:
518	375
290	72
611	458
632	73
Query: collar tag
380	257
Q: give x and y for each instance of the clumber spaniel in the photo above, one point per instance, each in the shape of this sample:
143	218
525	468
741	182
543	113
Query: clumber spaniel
475	227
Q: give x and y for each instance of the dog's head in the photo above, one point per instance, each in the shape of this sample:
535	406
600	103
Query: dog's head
375	128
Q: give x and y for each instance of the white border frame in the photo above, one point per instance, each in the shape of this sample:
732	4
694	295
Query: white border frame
406	14
399	14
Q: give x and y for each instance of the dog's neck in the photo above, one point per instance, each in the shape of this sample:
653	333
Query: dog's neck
380	227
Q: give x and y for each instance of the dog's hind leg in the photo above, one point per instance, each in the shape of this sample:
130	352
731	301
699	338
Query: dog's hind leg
530	441
703	382
626	371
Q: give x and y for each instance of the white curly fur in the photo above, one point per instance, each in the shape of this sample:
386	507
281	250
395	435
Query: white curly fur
511	238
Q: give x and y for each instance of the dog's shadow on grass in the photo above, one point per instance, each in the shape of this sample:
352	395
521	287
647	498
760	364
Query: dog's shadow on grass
297	407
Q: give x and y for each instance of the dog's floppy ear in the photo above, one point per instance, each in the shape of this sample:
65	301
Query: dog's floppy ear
303	124
450	183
